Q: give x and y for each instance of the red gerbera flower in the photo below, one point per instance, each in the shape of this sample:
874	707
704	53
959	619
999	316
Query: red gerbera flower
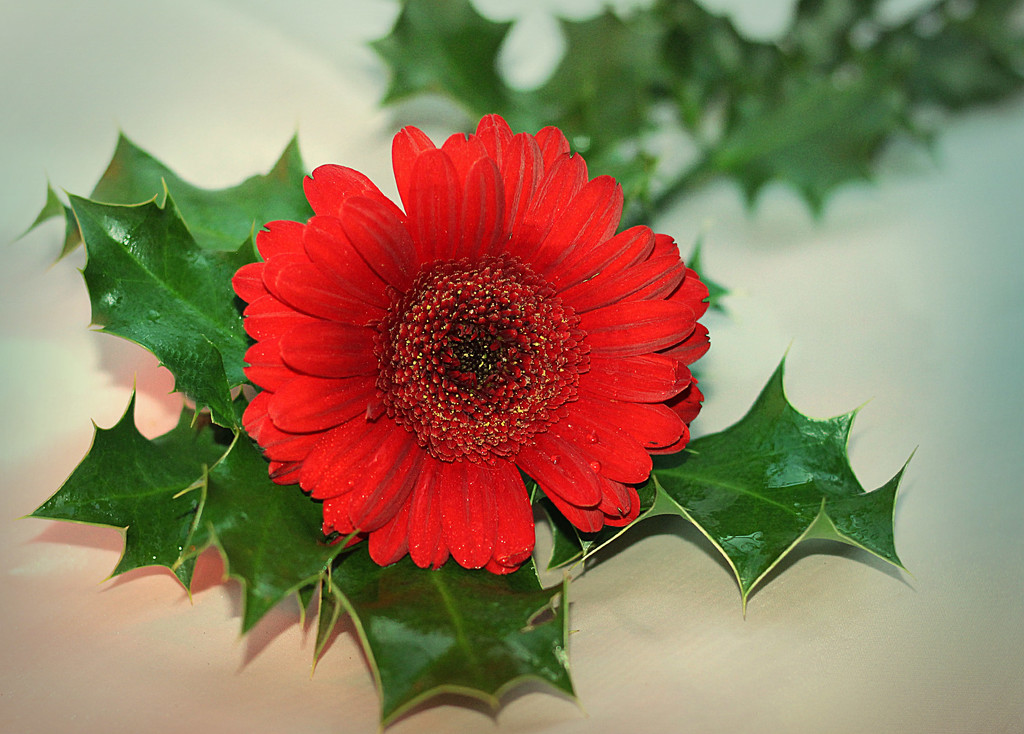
414	362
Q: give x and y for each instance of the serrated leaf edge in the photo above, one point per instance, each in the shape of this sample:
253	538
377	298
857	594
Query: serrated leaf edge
214	541
492	700
779	376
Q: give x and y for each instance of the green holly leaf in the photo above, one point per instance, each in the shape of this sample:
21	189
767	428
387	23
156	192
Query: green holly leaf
976	57
269	535
814	110
453	630
329	614
220	219
151	283
758	488
771	480
821	136
445	47
141	486
572	547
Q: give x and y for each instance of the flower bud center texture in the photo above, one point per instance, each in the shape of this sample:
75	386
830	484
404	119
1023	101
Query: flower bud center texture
478	357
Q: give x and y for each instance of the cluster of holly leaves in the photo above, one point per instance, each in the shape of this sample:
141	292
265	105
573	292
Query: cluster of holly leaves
161	252
159	273
812	109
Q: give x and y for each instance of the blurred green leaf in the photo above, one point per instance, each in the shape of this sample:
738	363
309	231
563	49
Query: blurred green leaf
814	110
445	47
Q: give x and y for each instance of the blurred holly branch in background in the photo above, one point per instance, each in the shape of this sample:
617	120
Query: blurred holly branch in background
670	96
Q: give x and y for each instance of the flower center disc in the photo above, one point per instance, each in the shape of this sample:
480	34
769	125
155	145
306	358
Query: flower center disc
476	358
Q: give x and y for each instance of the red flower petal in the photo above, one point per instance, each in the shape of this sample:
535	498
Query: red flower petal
587	519
521	169
433	206
609	450
693	292
380	236
692	348
495	134
279	238
426	544
308	404
276	444
622	251
306	288
687	403
335	464
405	149
637	327
267	318
284	472
386	479
464	151
557	188
483	211
264	365
620	503
515	536
644	378
336	515
560	469
389	543
652	425
330	349
590	218
248	282
330	186
329	248
665	245
255	415
652	279
468	519
553	145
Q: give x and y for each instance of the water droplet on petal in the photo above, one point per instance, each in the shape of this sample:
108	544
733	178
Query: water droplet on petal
595	466
593	437
556	459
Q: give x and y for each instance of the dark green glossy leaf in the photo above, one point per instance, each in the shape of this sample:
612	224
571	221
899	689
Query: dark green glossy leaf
269	535
219	219
55	207
759	487
149	488
149	282
52	208
453	630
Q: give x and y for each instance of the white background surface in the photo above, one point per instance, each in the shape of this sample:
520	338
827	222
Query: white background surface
908	294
